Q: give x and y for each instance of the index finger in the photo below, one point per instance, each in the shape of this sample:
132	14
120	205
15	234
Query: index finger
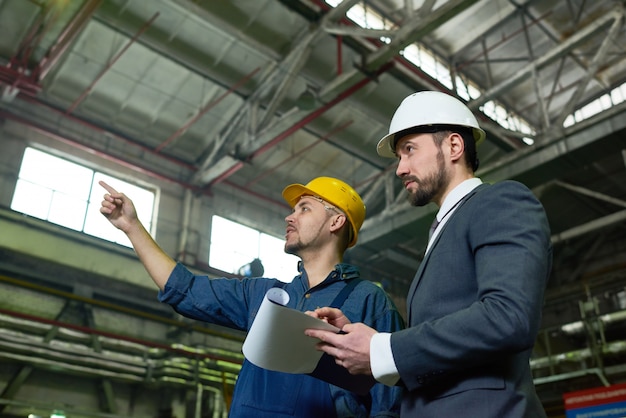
108	188
328	337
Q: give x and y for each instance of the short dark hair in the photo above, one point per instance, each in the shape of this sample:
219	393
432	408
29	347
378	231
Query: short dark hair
471	155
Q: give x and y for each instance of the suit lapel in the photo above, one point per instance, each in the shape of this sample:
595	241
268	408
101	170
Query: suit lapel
413	287
422	266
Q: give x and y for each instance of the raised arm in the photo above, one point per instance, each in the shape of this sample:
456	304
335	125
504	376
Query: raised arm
120	211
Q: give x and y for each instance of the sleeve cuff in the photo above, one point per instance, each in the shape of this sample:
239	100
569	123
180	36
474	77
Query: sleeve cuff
381	359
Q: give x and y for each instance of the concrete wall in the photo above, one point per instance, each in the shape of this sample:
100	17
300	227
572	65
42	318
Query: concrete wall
51	276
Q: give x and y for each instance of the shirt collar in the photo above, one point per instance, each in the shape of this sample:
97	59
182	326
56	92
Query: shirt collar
342	271
456	194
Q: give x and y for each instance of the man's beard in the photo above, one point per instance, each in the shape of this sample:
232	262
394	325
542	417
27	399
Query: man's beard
293	248
430	186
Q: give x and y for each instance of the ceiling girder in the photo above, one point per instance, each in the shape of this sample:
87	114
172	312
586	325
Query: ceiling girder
414	30
405	35
560	51
557	39
591	193
217	166
603	222
598	59
545	120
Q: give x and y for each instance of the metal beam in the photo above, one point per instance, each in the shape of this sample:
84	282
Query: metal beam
563	49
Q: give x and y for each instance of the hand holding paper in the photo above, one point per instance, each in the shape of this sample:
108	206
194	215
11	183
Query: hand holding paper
351	349
333	316
277	341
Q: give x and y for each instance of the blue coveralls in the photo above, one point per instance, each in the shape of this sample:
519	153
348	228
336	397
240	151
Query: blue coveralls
262	393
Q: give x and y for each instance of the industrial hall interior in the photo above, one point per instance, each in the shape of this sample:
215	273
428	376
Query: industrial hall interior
203	111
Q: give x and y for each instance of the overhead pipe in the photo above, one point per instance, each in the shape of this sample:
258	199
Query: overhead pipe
109	64
221	178
187	381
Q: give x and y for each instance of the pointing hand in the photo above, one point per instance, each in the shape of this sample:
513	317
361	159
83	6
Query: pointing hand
118	208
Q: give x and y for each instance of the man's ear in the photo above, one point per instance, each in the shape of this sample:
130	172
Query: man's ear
457	146
337	221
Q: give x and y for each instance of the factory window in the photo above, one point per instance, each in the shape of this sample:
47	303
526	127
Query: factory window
234	247
68	194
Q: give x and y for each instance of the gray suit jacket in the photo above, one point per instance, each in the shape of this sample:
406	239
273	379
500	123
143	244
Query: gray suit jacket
474	310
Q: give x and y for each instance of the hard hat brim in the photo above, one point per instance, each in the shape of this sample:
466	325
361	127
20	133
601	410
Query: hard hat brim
386	146
293	192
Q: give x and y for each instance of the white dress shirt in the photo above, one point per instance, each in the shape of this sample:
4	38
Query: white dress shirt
382	363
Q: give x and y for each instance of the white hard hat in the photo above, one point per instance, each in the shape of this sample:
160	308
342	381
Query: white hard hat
426	108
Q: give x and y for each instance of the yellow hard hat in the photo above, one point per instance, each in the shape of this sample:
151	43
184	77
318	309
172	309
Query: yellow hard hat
336	192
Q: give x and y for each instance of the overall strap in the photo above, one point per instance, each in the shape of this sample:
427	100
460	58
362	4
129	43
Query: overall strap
345	292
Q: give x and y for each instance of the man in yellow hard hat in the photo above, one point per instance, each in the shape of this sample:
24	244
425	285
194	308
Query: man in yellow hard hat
326	216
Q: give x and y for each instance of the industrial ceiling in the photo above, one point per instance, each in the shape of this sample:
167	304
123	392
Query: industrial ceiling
248	96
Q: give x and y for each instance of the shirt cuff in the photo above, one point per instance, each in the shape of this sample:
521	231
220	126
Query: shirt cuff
382	363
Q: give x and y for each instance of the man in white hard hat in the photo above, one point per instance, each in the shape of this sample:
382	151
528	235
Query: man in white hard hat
325	221
474	306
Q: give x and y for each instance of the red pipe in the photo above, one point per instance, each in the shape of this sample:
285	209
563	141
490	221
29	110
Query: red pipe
206	109
20	59
317	113
303	122
225	174
16	79
110	63
65	39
